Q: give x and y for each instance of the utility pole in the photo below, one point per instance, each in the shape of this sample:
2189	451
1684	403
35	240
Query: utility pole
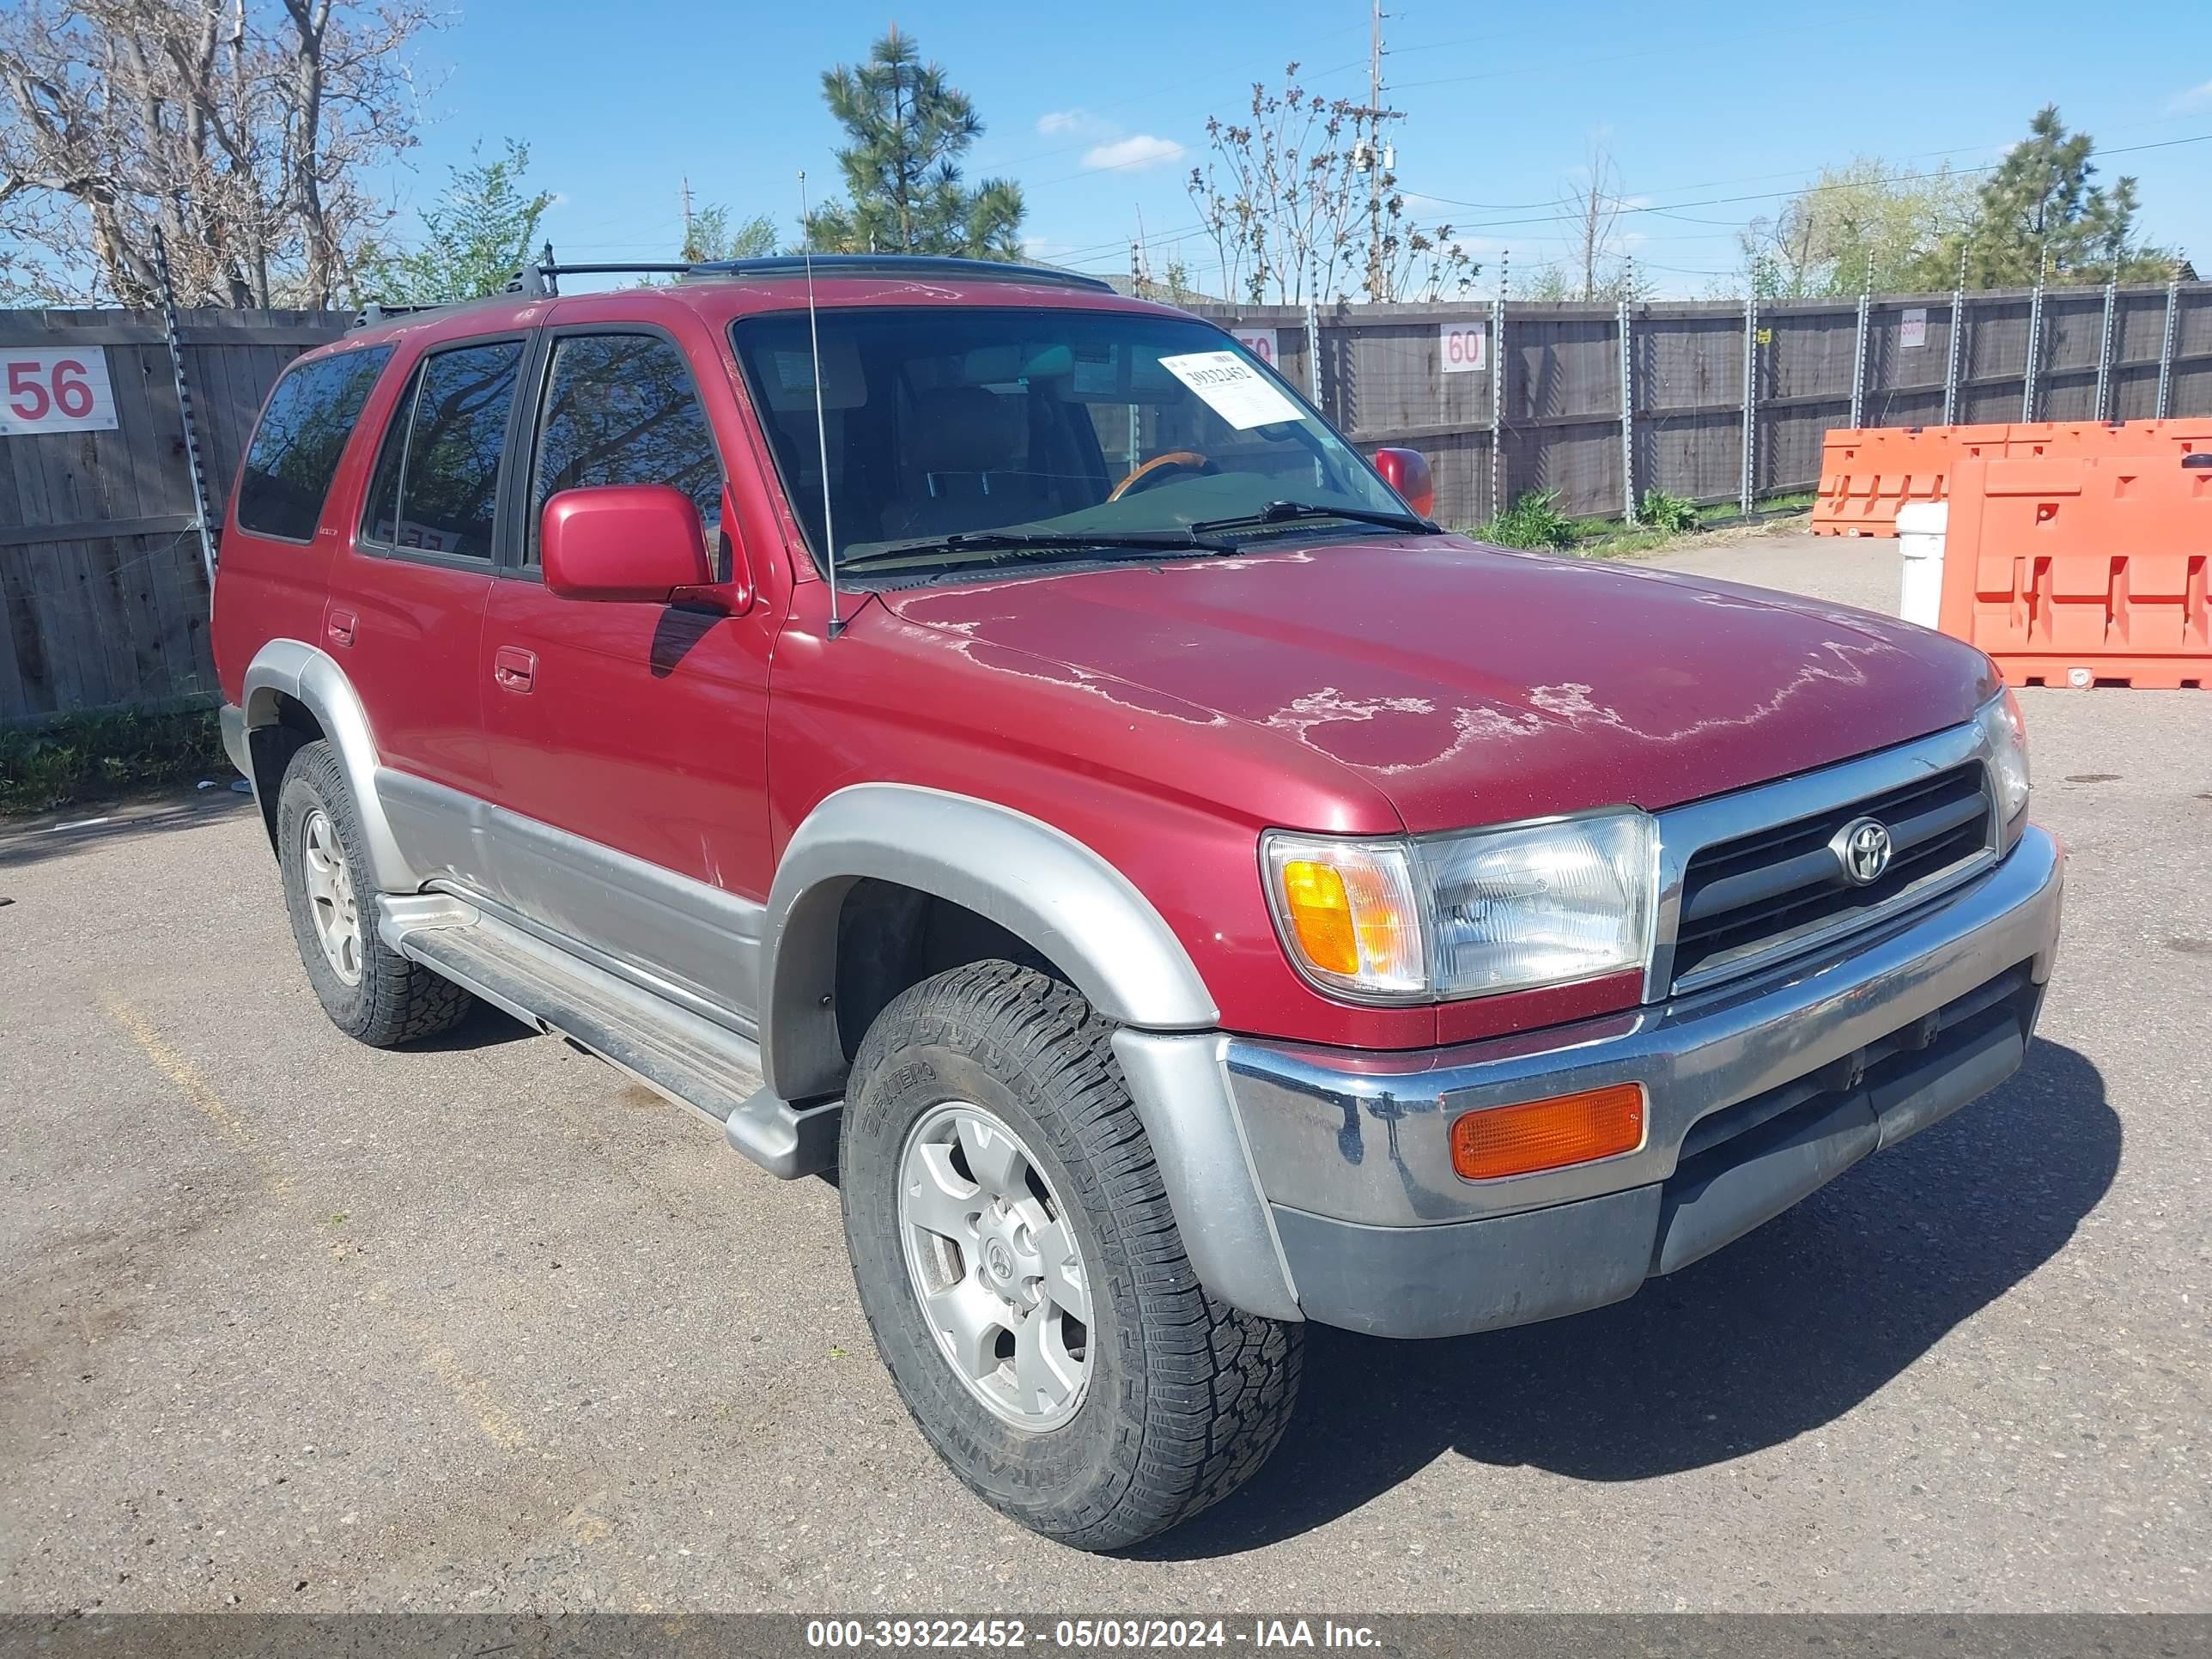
1373	116
1375	289
687	218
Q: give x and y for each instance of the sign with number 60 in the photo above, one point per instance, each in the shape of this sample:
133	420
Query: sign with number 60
1463	348
63	389
1260	343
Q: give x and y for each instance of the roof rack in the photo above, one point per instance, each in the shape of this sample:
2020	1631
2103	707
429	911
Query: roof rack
375	311
541	277
544	275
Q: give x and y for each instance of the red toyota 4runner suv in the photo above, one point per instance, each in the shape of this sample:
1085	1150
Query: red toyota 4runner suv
1179	890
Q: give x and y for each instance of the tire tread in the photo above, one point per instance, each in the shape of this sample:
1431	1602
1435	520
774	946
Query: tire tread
1221	1383
400	999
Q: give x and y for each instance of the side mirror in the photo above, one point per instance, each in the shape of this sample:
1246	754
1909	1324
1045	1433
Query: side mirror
1407	472
636	542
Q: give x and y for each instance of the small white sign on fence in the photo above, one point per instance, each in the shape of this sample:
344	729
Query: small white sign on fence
54	388
1260	343
1463	348
1913	330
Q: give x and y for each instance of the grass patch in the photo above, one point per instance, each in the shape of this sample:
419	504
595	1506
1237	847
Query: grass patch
1672	514
1534	521
88	756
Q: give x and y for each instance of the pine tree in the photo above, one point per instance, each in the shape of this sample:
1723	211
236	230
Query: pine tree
908	127
2041	205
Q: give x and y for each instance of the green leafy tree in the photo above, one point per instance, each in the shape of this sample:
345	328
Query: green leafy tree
476	236
1867	215
908	128
2041	204
712	236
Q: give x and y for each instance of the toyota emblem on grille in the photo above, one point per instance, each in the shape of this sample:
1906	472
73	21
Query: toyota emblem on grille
1863	848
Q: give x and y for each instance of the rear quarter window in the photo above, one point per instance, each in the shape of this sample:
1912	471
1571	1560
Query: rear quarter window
303	432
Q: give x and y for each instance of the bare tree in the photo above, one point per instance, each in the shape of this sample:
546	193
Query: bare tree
1286	204
244	129
1593	210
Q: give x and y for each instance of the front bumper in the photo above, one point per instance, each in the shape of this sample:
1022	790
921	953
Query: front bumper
1760	1092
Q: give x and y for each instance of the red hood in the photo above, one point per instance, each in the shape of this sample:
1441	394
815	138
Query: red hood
1473	685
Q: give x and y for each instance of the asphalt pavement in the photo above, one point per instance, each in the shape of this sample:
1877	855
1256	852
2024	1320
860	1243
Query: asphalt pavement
288	1323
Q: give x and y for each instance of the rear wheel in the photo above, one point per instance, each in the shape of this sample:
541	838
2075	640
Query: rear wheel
369	989
1023	1274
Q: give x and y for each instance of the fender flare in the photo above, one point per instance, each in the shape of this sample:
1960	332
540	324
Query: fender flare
1040	883
1069	903
292	669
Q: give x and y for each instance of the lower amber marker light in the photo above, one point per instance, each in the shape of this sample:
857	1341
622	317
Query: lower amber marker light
1549	1134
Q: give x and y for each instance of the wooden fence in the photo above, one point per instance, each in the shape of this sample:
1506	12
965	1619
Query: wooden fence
1543	410
103	603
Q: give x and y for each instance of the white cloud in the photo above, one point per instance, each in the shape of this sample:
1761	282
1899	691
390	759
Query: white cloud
1053	122
1137	151
2195	95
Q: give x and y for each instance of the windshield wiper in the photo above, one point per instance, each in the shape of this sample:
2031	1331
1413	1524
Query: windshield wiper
986	540
1290	511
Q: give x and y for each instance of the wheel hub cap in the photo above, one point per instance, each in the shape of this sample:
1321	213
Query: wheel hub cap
331	905
994	1263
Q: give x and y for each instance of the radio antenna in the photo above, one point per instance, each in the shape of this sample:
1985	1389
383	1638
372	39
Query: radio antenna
821	419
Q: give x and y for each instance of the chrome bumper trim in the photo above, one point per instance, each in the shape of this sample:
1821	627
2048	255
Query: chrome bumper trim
1364	1136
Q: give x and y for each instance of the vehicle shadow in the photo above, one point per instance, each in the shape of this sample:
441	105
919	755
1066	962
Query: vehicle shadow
1782	1332
55	834
483	1027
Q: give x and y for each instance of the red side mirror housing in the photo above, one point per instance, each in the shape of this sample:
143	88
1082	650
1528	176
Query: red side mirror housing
1407	472
635	541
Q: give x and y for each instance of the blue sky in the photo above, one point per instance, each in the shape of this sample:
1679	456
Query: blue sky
1100	111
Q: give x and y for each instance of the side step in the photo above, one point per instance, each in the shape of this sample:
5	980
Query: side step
676	1053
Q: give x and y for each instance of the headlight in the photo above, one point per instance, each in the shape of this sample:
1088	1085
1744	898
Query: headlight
2000	721
1460	915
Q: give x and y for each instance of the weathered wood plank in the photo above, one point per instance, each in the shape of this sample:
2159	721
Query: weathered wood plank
152	524
13	333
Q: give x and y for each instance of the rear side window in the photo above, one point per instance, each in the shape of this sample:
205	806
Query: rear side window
620	408
436	484
295	449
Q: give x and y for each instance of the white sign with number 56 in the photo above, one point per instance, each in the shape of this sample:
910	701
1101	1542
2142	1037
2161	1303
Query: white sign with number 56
62	389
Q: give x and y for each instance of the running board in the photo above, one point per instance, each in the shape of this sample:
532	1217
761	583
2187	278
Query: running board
675	1052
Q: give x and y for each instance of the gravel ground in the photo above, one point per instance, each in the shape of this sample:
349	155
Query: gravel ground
291	1324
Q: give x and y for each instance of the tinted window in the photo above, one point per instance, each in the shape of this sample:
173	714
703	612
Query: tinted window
380	515
295	449
620	408
436	484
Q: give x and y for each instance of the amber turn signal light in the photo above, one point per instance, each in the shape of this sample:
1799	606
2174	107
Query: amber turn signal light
1321	914
1549	1134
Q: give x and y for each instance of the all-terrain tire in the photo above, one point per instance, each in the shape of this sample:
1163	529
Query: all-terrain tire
393	1000
1185	1395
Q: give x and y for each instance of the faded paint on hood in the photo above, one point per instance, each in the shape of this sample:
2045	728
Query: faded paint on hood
1473	685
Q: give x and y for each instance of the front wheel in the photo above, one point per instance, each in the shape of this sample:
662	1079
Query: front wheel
1023	1274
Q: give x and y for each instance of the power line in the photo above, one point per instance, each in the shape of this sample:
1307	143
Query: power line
1777	195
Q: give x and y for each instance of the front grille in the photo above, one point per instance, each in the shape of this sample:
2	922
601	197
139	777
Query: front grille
1757	894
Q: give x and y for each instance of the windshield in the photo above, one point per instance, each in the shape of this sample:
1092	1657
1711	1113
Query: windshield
1075	425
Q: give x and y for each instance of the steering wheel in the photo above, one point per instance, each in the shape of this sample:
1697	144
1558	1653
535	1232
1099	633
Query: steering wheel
1142	479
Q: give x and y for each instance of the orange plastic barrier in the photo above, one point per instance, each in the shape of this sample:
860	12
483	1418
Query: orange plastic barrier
2084	569
1867	472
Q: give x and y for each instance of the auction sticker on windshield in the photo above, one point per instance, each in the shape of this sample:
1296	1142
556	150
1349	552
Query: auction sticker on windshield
1232	388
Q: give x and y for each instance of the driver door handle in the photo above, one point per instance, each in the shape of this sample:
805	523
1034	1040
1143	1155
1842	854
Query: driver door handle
513	669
